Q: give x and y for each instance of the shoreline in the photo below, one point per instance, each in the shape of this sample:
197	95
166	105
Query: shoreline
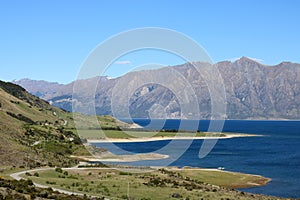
161	138
110	157
107	156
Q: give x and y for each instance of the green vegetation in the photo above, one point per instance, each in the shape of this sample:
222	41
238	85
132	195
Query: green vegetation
35	134
102	134
53	145
85	122
21	117
24	189
144	184
225	179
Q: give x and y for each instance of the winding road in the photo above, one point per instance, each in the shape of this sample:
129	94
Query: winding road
17	176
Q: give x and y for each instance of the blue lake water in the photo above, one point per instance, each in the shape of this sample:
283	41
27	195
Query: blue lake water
275	155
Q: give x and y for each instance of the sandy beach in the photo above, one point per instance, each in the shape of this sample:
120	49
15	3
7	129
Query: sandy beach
149	139
110	157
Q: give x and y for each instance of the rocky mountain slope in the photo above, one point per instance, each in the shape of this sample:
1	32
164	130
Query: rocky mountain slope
253	91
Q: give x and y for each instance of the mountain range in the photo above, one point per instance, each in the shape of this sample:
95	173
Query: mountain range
251	90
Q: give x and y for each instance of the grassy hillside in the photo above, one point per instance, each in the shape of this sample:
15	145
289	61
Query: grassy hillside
34	133
30	127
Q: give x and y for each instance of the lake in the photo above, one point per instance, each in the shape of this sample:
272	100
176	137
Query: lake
275	155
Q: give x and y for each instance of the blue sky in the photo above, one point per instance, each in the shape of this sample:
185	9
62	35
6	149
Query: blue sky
49	40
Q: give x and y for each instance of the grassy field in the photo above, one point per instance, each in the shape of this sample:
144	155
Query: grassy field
5	171
102	134
115	184
225	179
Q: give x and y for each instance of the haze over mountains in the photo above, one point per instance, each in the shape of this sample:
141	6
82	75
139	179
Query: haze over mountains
253	91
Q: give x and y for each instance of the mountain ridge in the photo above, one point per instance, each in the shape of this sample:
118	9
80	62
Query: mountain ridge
253	91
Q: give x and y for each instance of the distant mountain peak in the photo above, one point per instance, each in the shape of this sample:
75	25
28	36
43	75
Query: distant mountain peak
244	59
247	59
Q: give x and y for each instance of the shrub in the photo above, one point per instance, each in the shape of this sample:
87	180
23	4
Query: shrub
50	182
125	173
28	174
21	117
59	170
44	194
